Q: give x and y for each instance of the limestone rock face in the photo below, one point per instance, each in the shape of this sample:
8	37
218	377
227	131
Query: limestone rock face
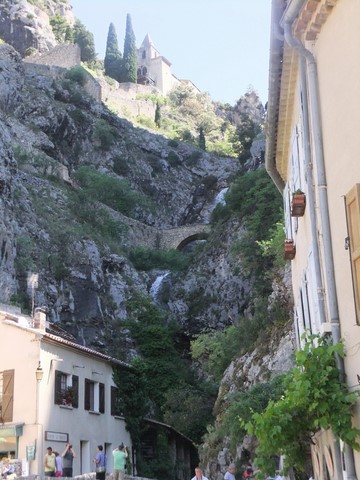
26	25
85	285
275	356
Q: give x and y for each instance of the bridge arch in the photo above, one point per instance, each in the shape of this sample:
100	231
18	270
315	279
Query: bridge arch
177	238
192	238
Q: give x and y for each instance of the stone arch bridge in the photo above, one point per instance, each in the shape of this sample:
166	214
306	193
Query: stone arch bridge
180	236
139	234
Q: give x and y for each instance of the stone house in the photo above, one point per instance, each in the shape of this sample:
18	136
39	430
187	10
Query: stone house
54	391
312	146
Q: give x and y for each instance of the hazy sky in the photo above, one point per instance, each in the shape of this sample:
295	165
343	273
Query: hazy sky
222	46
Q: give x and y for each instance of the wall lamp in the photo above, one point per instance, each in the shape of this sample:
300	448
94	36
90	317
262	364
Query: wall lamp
97	373
39	372
78	366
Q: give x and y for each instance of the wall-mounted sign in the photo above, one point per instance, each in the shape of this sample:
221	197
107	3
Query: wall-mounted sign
30	452
57	436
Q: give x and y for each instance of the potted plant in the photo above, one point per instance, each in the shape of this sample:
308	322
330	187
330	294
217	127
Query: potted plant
298	203
68	396
289	249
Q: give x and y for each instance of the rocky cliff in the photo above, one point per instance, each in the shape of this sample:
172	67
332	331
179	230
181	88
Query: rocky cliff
26	24
80	188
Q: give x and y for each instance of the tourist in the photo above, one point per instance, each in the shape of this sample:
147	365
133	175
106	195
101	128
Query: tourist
199	474
100	462
68	456
49	463
120	455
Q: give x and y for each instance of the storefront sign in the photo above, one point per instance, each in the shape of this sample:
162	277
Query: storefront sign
11	430
57	436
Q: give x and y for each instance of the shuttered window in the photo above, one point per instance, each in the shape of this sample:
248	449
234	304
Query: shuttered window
101	398
66	390
353	219
7	396
89	391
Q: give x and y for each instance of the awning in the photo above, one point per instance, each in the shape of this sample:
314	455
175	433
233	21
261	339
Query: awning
11	430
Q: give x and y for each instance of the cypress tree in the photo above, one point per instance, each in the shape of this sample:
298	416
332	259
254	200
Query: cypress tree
158	115
202	143
113	57
129	63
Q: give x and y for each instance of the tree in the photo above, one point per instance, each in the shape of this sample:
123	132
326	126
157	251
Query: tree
113	57
85	40
60	28
158	115
129	64
202	143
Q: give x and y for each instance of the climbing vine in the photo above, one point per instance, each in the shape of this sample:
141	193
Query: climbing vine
314	399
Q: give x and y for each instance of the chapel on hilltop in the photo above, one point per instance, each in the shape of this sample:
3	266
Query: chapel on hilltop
155	70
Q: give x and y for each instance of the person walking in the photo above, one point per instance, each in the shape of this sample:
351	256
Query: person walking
120	455
100	462
58	464
68	456
199	474
49	463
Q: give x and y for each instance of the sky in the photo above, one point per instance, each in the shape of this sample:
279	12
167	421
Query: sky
222	46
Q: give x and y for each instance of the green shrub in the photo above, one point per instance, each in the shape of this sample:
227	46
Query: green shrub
173	143
193	158
113	192
173	159
155	163
105	134
76	74
120	165
29	51
315	399
147	259
78	116
210	181
146	121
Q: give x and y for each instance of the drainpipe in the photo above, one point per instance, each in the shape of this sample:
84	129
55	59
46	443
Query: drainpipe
312	76
311	193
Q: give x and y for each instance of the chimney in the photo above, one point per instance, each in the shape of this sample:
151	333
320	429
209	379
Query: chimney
40	318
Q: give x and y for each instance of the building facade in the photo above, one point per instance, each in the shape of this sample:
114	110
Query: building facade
312	149
154	69
54	392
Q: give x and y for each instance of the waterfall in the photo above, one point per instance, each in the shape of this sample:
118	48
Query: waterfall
220	197
155	287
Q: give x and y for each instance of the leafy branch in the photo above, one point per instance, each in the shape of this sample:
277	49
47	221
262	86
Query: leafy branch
314	399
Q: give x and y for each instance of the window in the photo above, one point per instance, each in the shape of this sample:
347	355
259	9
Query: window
6	395
94	399
66	389
115	402
353	220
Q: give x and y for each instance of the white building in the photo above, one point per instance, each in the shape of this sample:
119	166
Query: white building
54	391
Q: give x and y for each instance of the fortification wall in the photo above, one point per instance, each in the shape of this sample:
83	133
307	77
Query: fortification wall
65	55
126	98
57	61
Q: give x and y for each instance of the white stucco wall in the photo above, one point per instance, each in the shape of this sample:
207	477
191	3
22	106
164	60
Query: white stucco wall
338	56
34	404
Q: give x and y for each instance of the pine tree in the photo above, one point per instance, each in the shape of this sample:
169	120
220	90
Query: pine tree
85	40
113	57
129	63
